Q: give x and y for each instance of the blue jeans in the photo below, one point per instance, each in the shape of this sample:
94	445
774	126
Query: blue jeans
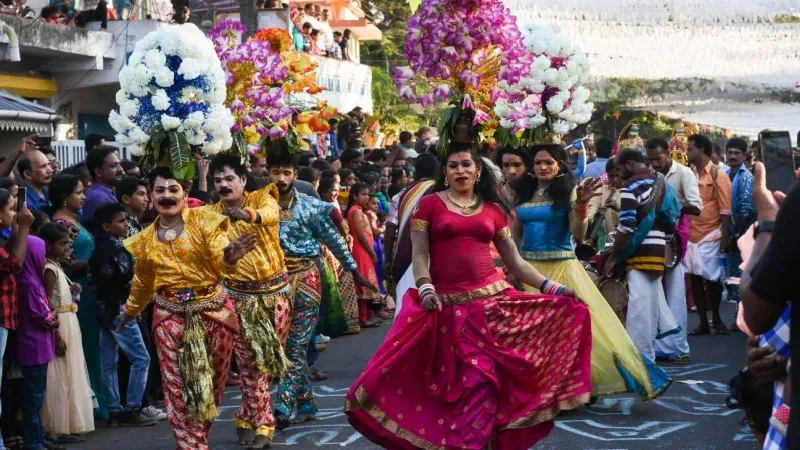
3	341
131	342
35	382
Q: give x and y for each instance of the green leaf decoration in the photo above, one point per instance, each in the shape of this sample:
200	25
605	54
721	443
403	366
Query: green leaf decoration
180	155
414	4
239	146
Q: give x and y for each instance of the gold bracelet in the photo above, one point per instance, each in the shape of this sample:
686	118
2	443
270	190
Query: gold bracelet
252	213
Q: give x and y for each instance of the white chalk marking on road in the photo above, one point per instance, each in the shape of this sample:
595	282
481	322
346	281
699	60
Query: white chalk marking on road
329	434
646	431
691	369
745	435
689	405
607	407
709	387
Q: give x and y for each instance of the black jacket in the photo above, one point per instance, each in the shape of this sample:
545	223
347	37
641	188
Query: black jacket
111	267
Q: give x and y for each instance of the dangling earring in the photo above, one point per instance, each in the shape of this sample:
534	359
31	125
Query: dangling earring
446	184
478	180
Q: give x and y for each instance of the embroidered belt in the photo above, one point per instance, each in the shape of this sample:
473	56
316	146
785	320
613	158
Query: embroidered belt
296	265
547	256
268	290
71	308
185	300
258	287
471	296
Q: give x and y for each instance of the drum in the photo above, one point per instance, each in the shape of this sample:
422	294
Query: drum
593	274
585	251
616	294
671	254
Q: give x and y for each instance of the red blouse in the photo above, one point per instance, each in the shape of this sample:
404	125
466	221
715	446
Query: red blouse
460	255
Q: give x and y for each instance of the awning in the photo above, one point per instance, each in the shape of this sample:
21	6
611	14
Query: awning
18	114
29	86
362	28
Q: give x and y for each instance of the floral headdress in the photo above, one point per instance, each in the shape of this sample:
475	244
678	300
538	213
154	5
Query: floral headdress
261	75
458	50
171	98
550	98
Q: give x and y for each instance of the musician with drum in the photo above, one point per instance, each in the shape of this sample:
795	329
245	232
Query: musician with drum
550	209
676	346
649	211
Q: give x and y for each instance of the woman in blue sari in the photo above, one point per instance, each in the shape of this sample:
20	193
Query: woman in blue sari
66	199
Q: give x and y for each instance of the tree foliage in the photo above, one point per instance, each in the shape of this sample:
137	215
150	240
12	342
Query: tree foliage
391	17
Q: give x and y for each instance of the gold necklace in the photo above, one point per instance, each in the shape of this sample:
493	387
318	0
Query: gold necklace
170	234
466	208
286	214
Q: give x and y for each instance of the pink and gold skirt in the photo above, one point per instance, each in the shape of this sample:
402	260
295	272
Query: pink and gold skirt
494	370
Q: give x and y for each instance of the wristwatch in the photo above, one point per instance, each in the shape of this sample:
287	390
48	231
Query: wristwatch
763	227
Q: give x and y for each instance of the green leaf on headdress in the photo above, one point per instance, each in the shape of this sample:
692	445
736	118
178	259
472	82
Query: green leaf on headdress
180	156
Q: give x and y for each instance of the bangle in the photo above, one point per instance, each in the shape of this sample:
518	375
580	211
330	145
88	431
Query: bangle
251	212
425	290
544	285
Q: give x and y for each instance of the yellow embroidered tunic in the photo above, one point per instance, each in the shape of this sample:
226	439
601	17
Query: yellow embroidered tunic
265	262
193	260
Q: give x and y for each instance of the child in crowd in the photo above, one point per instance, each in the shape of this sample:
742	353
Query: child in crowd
111	267
67	412
35	341
363	252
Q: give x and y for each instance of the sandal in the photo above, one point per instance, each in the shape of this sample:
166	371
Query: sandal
318	375
69	439
370	323
721	330
682	359
385	314
51	446
700	331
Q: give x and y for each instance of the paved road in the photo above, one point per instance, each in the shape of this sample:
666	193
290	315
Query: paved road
688	417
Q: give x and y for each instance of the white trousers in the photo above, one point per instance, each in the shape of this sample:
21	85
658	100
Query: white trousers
404	284
675	291
648	315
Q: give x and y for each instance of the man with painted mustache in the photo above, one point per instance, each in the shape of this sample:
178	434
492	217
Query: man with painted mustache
259	290
181	261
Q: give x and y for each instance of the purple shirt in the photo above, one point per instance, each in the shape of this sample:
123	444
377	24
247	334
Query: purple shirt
35	344
96	196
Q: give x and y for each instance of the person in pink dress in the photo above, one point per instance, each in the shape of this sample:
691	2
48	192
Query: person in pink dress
363	253
472	363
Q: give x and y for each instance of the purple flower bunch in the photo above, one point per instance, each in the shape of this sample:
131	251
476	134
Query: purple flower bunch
462	47
254	78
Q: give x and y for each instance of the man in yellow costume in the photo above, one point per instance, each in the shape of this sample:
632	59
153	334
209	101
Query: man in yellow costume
259	290
181	261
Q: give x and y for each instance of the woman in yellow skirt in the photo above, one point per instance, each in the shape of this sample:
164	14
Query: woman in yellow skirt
550	209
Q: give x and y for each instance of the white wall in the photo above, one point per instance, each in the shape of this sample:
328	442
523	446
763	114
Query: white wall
95	100
652	11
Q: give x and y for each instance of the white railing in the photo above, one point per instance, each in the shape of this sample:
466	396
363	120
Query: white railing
70	153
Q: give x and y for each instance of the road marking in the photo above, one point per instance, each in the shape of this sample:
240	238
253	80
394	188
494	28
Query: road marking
682	371
646	431
689	405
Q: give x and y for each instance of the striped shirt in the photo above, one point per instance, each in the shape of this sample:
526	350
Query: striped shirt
634	196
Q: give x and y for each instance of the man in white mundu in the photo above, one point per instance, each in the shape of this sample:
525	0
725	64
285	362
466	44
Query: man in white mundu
709	234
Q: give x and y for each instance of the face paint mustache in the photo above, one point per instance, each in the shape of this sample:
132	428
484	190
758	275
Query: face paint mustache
167	202
225	191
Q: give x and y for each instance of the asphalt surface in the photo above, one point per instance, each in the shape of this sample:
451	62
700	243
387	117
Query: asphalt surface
691	415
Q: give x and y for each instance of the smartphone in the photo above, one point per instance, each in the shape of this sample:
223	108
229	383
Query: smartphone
44	141
21	196
775	151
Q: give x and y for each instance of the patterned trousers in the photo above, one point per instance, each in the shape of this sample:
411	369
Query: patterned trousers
294	388
189	433
256	408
